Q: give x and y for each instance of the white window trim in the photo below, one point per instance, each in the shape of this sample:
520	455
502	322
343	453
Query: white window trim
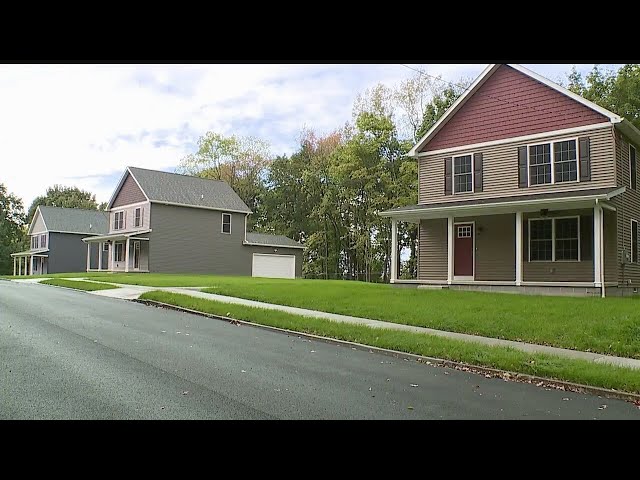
135	217
553	240
222	224
630	179
553	162
453	174
637	241
115	216
105	247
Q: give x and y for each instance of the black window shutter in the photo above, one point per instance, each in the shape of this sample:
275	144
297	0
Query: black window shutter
585	159
477	172
586	237
448	182
523	181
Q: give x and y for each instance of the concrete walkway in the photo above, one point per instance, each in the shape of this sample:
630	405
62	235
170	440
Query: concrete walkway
130	292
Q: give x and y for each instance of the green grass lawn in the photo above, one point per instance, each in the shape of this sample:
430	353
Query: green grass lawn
78	284
609	326
548	366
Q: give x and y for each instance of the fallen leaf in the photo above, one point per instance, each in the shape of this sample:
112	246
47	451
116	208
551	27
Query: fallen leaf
178	333
409	408
487	376
539	384
95	341
565	399
164	331
187	334
413	384
313	351
243	371
369	388
185	392
602	407
446	373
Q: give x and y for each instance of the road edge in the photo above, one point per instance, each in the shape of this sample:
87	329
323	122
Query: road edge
439	362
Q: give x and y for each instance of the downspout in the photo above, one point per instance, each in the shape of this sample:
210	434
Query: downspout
601	259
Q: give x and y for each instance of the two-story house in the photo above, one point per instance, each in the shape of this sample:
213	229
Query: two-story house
525	186
56	241
170	223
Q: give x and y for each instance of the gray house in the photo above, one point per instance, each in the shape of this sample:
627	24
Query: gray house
56	241
169	223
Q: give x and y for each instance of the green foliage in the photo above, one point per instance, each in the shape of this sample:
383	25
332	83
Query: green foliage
68	197
439	104
239	161
549	366
78	284
618	91
12	226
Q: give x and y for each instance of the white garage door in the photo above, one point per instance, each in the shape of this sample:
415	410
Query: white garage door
274	266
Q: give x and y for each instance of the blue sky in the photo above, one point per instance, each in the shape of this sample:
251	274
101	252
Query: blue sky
83	124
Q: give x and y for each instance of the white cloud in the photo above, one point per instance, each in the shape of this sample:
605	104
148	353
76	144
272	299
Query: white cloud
82	124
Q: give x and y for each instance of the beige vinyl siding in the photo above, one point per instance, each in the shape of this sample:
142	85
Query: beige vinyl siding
628	208
38	224
610	247
495	247
500	170
130	218
433	260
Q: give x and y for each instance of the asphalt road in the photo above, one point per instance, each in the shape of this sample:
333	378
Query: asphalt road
72	355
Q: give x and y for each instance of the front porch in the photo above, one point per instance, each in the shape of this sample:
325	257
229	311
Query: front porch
124	253
30	262
562	245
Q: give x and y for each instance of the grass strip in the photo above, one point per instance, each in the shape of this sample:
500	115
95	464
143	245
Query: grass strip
78	284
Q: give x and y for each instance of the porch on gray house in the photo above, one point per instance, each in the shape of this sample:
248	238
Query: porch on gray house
126	252
530	244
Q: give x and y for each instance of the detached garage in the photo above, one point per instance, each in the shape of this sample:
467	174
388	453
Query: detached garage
274	256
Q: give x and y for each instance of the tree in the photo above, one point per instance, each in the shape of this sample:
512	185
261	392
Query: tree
68	197
12	226
436	108
618	91
240	161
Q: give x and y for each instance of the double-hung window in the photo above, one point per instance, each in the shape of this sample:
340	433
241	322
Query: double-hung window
226	223
118	220
554	239
554	162
463	174
137	218
34	242
43	240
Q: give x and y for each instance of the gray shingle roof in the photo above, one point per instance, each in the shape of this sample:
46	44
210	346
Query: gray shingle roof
187	190
277	240
75	220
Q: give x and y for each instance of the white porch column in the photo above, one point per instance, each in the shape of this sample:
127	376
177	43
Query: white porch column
88	256
450	250
100	247
126	257
518	249
14	266
31	265
19	266
394	251
597	246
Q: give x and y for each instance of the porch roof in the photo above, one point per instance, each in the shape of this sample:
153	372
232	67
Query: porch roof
495	206
32	253
116	236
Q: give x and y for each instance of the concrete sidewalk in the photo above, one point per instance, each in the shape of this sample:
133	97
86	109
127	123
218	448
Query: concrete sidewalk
129	292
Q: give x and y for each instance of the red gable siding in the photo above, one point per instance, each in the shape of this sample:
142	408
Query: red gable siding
129	193
511	104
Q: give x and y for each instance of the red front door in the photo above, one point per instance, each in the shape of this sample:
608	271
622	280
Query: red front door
463	250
